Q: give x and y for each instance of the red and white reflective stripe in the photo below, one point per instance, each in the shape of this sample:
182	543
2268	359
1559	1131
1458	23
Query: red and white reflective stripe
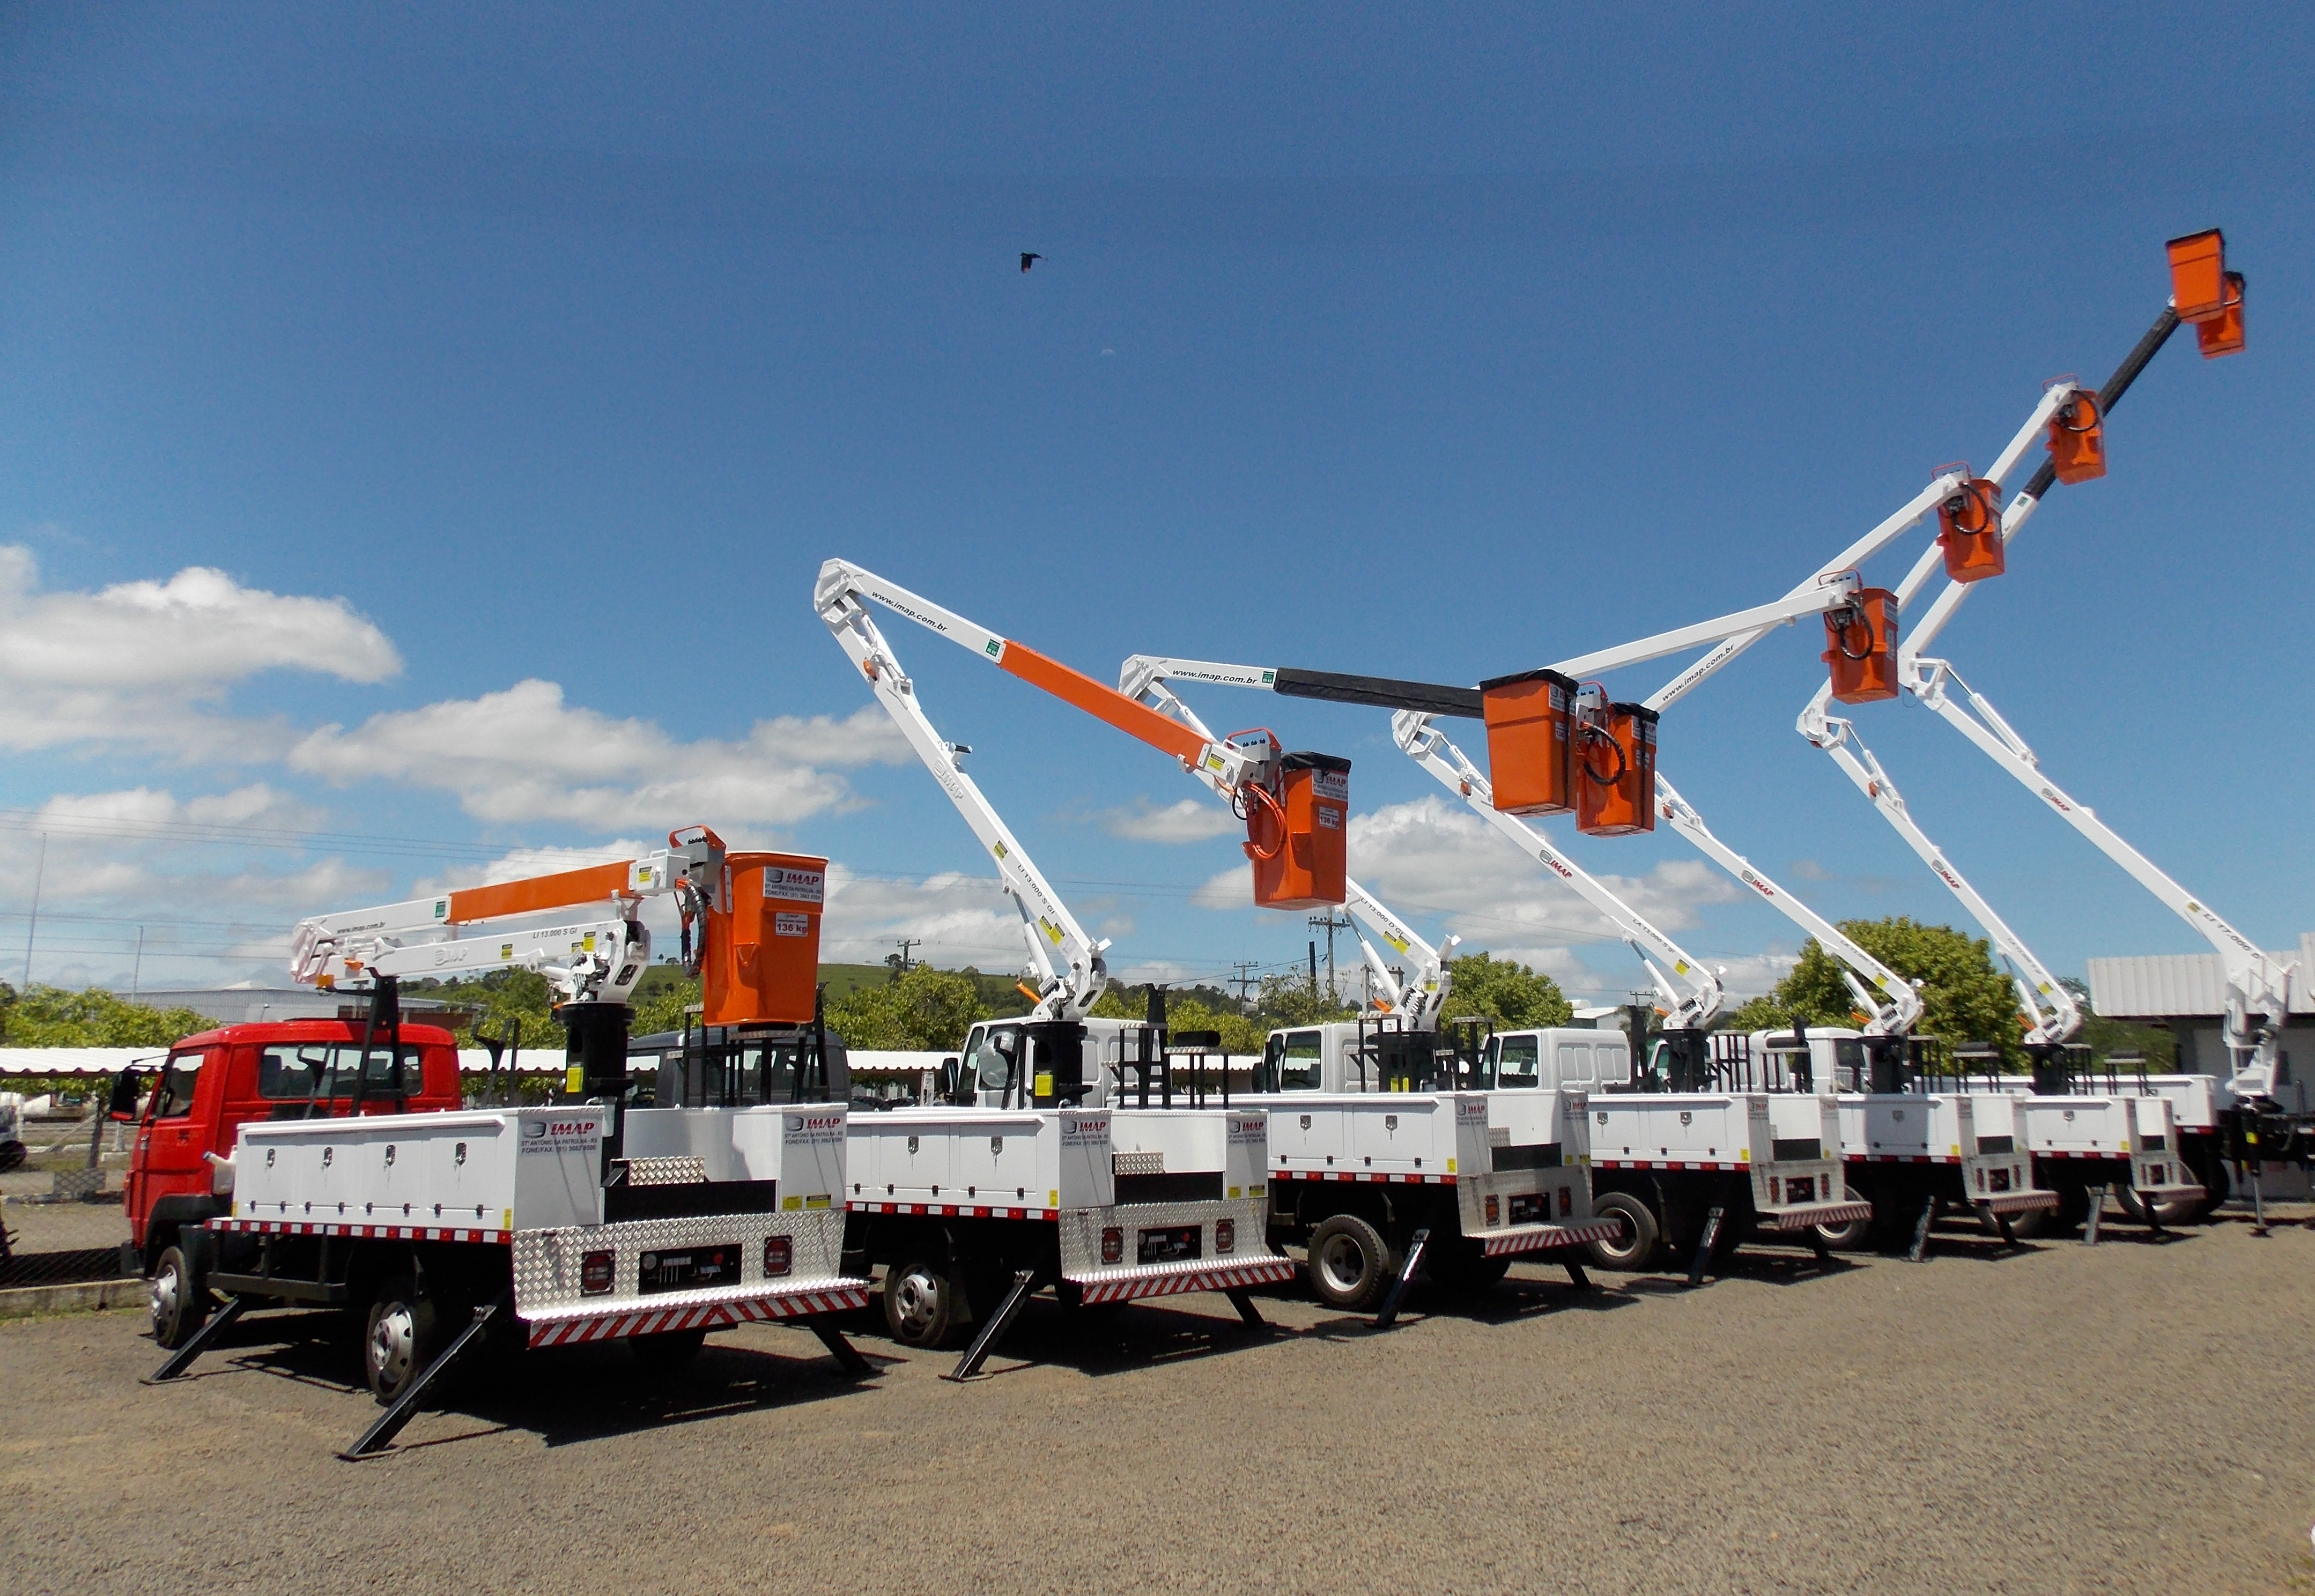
1814	1214
1599	1163
1279	1173
2070	1153
1900	1158
699	1316
1168	1282
1551	1236
361	1232
953	1211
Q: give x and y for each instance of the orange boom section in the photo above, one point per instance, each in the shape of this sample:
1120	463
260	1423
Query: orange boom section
1298	837
597	883
761	966
1103	703
1527	741
1861	647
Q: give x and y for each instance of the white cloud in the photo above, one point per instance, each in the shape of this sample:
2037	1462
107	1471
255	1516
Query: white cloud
146	662
143	858
957	919
1190	820
525	755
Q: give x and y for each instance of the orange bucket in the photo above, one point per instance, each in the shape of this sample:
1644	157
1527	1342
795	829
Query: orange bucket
761	965
2222	334
1861	647
1299	835
2198	275
1527	741
2077	440
1614	755
1969	530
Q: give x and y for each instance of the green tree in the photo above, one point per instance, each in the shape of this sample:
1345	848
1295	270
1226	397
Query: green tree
926	1010
1242	1034
1964	996
1515	996
661	1007
1296	1000
51	1017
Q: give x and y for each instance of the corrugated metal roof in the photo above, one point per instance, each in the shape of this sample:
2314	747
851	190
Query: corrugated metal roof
2182	986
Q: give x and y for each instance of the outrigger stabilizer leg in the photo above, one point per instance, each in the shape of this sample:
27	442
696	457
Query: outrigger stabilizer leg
1388	1317
975	1355
379	1435
175	1366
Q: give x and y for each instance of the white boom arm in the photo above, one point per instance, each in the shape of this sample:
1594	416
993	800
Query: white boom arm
593	960
1692	992
1419	988
1068	965
1888	999
2051	1014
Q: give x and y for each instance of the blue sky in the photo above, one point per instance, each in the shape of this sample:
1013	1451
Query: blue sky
475	347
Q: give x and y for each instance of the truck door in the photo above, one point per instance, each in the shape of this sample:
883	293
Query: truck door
171	1141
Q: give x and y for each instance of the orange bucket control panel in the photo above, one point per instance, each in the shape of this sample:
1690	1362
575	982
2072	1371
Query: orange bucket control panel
761	964
1297	834
1526	718
1612	749
2204	292
2077	440
1861	647
1969	530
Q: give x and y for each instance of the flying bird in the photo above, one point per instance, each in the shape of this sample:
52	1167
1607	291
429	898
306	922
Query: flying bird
1026	257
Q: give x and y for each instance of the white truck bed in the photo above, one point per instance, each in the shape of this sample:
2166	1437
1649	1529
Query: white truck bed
529	1179
1787	1143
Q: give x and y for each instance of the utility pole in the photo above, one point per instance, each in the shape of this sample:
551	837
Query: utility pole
40	872
900	961
1314	969
1244	978
1330	924
136	972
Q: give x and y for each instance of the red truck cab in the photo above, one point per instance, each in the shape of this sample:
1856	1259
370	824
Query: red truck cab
217	1081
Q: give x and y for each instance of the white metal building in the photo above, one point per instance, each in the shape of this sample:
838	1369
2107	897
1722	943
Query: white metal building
2186	994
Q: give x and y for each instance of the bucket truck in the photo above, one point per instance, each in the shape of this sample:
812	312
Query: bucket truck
329	1163
2257	1113
1358	1106
1679	1164
1043	1173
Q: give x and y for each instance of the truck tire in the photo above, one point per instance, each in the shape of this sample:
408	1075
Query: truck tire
1638	1237
12	1153
1351	1264
1855	1237
178	1297
401	1338
920	1303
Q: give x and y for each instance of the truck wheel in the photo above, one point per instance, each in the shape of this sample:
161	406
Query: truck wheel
921	1304
1637	1238
401	1340
2216	1187
1351	1264
12	1153
1854	1237
179	1299
668	1351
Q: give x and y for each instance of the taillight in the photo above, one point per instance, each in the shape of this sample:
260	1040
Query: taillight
1776	1193
779	1255
594	1274
1224	1235
1567	1201
1494	1210
1112	1245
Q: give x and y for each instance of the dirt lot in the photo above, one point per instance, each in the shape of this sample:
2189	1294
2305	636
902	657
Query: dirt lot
2132	1418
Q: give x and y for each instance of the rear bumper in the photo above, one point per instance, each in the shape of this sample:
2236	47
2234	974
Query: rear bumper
2012	1202
1809	1215
1168	1280
1544	1238
695	1310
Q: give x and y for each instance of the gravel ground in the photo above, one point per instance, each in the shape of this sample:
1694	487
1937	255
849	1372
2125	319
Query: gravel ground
2128	1418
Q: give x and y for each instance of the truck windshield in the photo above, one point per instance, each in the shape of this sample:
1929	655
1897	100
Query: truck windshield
299	1071
174	1095
993	1060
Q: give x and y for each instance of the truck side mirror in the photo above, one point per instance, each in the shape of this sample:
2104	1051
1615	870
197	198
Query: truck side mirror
126	1088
